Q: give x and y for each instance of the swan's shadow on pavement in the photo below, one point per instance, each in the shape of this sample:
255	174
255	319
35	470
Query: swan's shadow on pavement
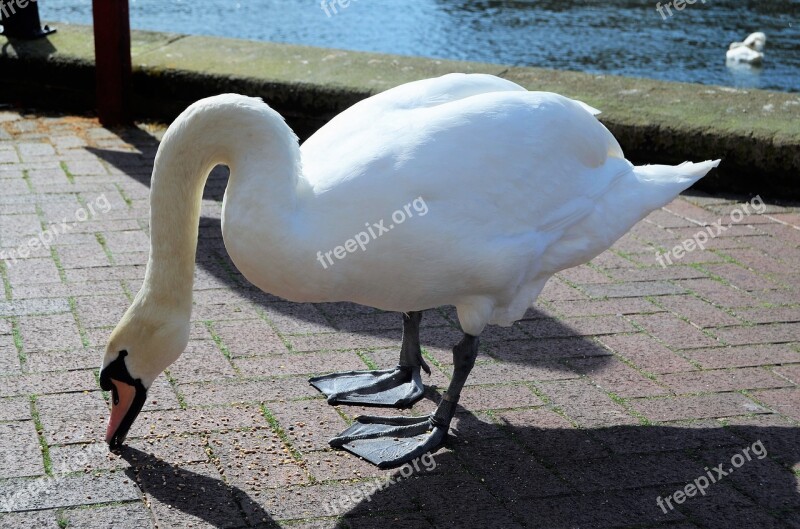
509	475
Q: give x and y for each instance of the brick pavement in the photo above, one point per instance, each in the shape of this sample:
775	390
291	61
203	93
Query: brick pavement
625	382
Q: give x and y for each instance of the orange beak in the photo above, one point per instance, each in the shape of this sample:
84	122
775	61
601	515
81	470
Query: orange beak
123	397
128	395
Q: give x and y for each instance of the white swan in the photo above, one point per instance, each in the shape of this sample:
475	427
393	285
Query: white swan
517	185
744	54
756	41
749	51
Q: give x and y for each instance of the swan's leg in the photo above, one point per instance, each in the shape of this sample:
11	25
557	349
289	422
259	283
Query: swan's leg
392	441
400	387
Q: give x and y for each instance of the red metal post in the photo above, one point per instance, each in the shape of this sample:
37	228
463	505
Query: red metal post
112	50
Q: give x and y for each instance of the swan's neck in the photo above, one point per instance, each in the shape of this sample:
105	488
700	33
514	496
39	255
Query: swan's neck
262	154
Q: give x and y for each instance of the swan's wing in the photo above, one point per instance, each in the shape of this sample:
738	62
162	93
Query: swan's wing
507	173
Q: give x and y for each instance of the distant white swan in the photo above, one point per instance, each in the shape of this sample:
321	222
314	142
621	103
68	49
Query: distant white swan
744	54
750	51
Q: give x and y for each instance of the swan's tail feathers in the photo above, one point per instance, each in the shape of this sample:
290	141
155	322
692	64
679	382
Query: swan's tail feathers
665	182
683	175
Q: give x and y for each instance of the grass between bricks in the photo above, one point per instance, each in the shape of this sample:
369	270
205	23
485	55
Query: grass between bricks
6	283
367	360
73	305
37	421
178	394
101	240
218	340
276	427
70	176
124	196
17	335
27	178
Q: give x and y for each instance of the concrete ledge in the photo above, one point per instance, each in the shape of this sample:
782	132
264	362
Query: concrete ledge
756	132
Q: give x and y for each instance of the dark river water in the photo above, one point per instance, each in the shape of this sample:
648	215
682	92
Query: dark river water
627	37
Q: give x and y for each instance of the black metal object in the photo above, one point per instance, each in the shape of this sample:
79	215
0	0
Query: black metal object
20	20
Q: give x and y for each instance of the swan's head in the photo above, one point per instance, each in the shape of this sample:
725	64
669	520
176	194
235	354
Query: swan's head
144	343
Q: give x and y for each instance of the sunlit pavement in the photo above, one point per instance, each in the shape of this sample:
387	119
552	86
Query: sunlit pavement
616	403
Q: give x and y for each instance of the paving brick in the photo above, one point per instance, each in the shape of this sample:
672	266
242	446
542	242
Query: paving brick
723	506
744	356
505	458
597	308
758	334
673	331
20	452
48	333
502	372
740	277
499	397
310	424
697	311
790	373
555	289
111	517
551	328
632	290
704	434
770	484
101	311
656	273
585	403
201	361
76	359
547	349
719	293
646	353
46	383
601	509
188	495
719	380
15	409
343	340
195	421
769	315
785	401
33	272
614	376
67	491
583	275
249	338
256	461
73	417
247	391
696	407
39	520
300	363
9	360
24	307
630	471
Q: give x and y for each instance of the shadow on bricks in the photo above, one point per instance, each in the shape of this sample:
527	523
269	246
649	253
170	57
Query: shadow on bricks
516	475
